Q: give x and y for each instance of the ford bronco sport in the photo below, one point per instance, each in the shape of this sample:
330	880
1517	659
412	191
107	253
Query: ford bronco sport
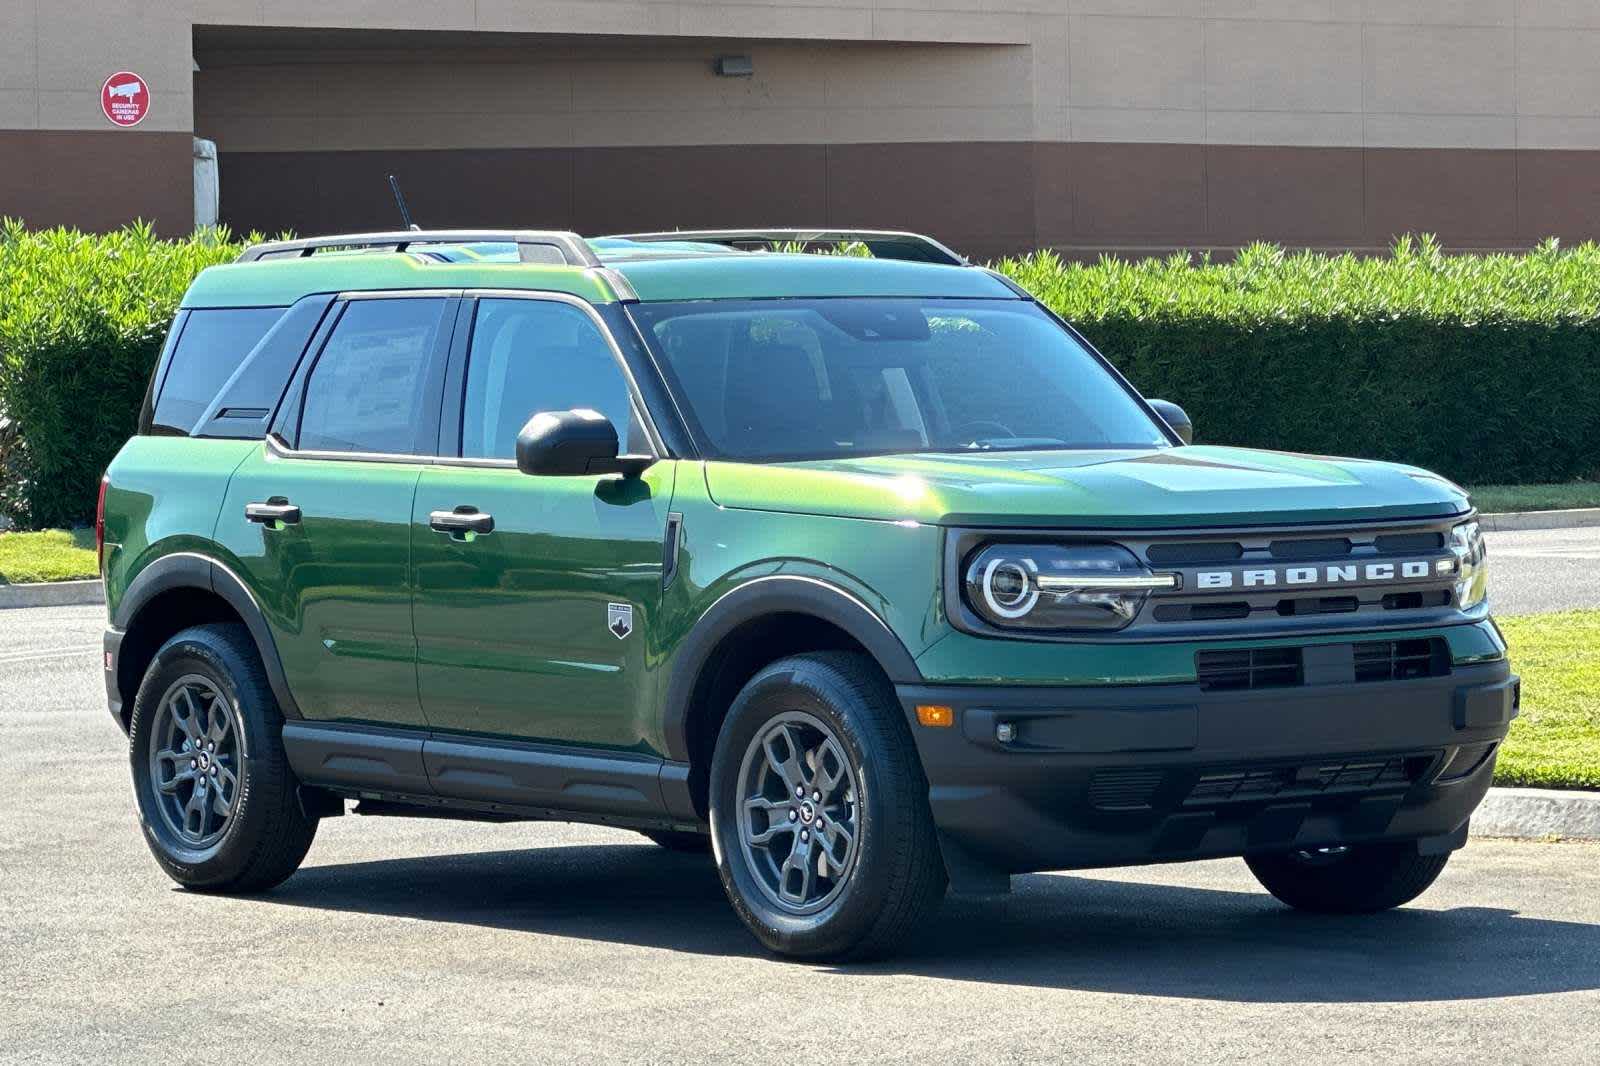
866	574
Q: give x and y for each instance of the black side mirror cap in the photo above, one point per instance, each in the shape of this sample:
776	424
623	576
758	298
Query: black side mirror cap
1174	416
577	443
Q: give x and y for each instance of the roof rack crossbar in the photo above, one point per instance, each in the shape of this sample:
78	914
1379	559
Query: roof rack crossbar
883	244
533	246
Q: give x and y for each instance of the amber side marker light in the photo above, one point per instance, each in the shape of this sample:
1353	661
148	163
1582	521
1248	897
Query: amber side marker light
930	714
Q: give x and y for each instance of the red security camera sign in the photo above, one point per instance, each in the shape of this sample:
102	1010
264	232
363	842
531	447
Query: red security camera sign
125	98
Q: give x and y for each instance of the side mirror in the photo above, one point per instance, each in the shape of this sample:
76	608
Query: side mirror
574	443
1174	416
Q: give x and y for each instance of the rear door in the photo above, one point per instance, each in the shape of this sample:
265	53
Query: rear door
542	628
319	516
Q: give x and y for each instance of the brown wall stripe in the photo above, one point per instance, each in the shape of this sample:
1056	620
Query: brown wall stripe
983	198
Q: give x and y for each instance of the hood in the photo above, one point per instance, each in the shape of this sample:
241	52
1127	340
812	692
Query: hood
1147	489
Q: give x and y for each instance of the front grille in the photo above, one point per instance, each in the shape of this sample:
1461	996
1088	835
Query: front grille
1248	668
1236	784
1401	660
1284	581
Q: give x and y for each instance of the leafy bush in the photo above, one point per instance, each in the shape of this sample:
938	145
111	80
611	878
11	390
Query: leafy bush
1484	368
82	319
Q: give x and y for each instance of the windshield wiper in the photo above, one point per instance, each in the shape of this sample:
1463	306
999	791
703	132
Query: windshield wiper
1015	444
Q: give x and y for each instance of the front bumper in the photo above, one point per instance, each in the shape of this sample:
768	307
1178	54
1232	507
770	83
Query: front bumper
1119	775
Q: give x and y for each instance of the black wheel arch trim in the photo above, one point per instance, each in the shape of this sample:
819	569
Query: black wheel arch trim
192	570
770	595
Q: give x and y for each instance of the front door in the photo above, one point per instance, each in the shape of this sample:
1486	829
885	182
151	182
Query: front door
534	619
319	518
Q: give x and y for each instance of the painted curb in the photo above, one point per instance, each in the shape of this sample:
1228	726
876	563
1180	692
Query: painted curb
53	594
1538	812
1508	522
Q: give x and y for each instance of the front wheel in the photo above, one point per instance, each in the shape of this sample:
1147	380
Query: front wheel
819	811
1361	879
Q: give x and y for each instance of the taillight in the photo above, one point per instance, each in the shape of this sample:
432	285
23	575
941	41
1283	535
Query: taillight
100	524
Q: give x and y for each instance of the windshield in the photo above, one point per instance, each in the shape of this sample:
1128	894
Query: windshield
826	378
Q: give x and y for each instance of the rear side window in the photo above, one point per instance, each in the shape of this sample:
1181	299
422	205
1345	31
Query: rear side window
367	391
210	349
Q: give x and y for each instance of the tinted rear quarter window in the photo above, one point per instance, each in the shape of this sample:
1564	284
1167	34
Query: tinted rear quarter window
212	345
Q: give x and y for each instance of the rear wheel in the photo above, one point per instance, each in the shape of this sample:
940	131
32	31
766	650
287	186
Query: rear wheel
819	808
1361	879
217	800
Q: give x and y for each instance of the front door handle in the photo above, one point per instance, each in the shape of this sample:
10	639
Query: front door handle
461	520
275	513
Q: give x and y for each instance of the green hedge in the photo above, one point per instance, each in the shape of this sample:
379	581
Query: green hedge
1484	368
82	319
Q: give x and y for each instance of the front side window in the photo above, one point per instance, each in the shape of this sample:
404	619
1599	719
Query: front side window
806	379
529	356
368	389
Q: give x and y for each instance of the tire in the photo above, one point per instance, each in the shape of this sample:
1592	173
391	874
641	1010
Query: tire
672	840
885	874
258	833
1362	879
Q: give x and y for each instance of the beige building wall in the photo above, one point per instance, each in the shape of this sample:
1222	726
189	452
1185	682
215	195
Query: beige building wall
1132	124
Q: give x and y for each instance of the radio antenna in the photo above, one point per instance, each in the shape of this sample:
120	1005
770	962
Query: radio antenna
400	202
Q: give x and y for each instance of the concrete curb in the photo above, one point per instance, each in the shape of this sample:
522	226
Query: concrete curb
1578	517
1538	812
53	594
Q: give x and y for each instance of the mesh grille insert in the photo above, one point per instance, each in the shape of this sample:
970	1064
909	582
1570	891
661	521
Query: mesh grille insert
1226	784
1124	790
1400	660
1248	668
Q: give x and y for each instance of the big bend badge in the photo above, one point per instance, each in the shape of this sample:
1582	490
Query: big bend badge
619	619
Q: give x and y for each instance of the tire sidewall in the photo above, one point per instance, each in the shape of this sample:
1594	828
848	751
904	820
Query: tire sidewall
198	652
835	927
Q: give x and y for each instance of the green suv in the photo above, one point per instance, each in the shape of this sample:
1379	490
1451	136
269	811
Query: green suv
863	573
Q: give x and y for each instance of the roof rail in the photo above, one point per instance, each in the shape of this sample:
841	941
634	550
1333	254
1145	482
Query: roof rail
883	244
533	246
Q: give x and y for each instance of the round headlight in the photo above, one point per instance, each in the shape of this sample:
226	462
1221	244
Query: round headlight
1059	586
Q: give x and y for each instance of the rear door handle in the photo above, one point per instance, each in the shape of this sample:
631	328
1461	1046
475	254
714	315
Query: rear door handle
461	520
276	511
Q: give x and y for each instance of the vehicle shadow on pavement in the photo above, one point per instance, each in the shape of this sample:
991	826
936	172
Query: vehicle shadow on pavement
1061	932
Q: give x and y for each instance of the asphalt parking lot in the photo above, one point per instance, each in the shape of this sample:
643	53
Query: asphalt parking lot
1544	570
416	941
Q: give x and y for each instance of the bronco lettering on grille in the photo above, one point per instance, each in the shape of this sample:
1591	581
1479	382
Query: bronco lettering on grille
1340	574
